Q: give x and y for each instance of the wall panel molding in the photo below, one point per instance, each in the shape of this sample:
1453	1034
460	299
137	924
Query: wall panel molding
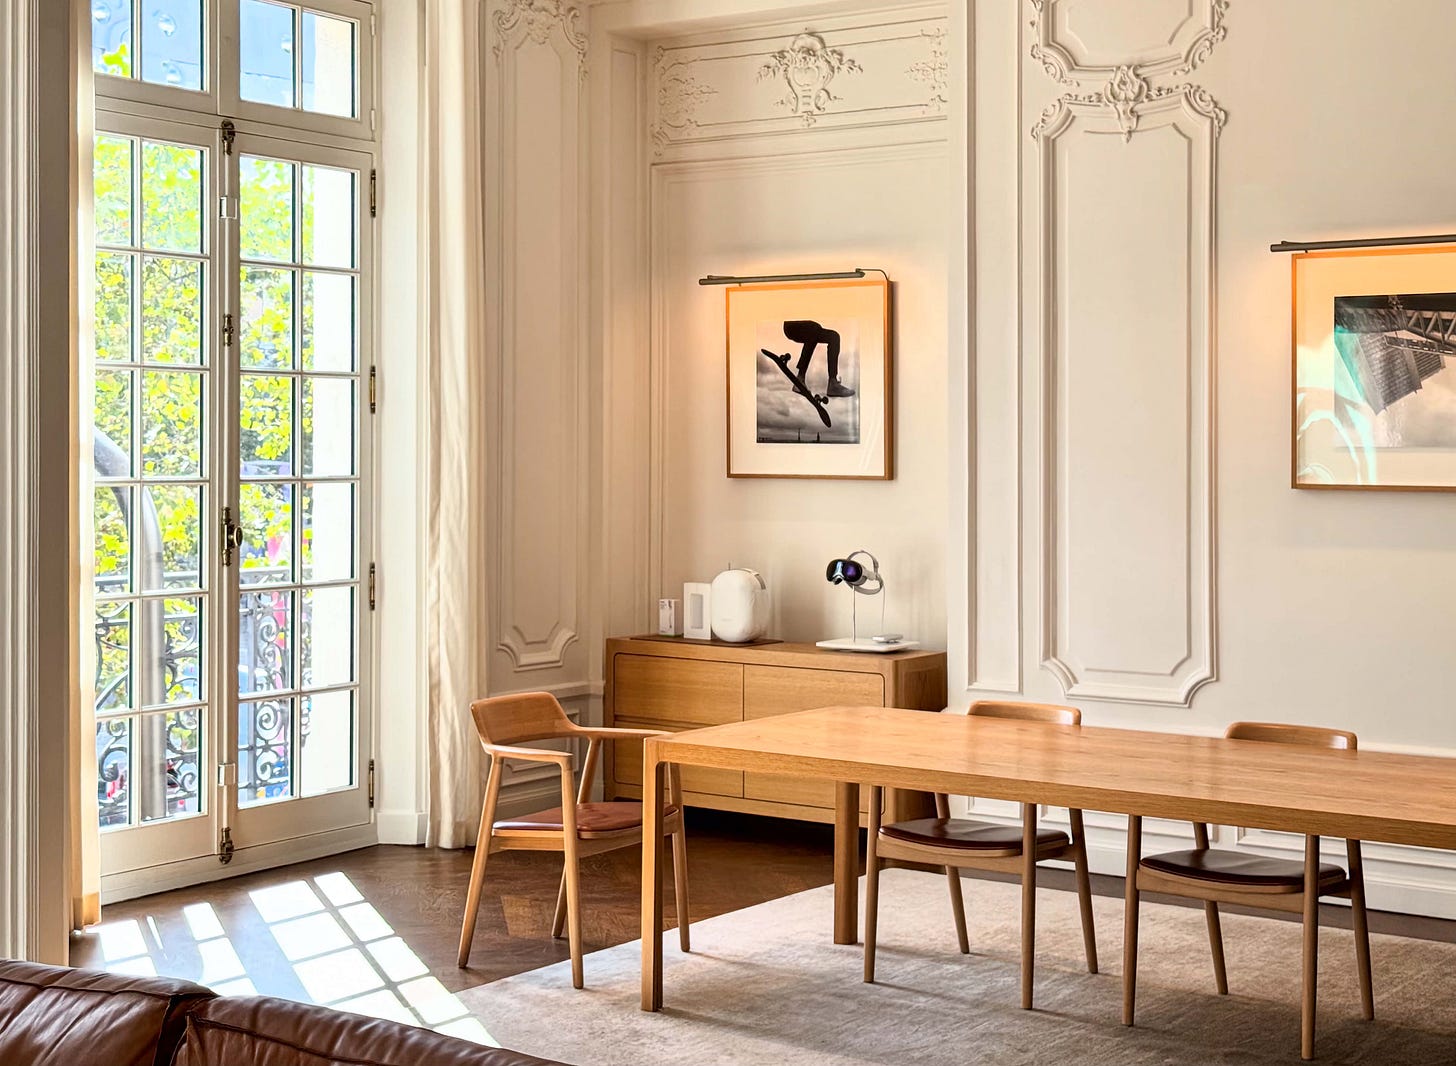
536	187
844	73
1125	205
1069	59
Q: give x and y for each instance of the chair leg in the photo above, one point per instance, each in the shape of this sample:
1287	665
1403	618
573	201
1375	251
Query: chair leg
477	867
1309	983
680	883
1362	928
958	908
1215	945
872	885
1130	919
1084	890
1028	903
558	920
571	853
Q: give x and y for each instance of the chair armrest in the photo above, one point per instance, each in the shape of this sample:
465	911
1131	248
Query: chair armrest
501	751
622	734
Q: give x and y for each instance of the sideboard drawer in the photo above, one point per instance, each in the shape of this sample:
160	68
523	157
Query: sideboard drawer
649	688
627	770
775	690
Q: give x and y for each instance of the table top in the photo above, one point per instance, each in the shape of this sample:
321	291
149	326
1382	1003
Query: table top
1366	795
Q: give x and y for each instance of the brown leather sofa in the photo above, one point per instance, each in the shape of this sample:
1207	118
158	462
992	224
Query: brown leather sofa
53	1016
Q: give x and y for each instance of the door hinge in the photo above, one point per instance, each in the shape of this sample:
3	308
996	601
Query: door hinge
373	192
373	584
373	390
228	330
225	846
232	536
371	782
229	134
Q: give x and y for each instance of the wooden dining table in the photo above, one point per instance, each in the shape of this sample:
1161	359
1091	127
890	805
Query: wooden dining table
1360	795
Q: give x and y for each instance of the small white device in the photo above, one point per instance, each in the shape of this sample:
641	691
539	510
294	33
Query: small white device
697	620
739	606
669	618
862	581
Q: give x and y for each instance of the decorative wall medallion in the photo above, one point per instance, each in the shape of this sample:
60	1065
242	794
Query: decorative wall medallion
1127	90
808	65
933	71
534	20
679	94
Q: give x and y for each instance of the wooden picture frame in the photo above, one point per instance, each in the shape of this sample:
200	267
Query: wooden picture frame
1373	339
810	380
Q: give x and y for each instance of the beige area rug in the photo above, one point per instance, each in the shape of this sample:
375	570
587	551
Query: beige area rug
767	986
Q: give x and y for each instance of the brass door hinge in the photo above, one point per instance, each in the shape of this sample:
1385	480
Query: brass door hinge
225	846
373	192
373	584
228	330
371	782
232	536
373	389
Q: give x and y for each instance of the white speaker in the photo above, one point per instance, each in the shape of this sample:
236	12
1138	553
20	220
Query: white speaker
740	606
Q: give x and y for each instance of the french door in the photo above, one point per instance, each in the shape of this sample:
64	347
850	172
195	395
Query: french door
231	514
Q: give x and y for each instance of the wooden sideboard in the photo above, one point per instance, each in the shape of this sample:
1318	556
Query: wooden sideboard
675	684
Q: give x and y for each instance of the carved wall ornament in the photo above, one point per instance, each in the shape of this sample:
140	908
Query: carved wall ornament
934	71
535	20
679	95
1185	52
808	65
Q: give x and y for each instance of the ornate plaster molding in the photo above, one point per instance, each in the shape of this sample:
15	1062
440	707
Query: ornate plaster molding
535	21
1127	90
934	71
679	95
808	66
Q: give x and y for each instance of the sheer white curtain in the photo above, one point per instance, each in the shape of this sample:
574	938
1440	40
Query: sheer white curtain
453	271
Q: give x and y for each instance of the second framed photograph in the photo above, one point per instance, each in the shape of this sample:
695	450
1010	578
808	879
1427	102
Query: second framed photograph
1375	369
810	382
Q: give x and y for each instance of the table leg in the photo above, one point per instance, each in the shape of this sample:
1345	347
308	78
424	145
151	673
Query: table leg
652	780
1028	902
1310	977
846	862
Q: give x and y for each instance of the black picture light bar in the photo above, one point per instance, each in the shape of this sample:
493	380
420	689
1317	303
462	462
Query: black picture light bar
727	279
1362	242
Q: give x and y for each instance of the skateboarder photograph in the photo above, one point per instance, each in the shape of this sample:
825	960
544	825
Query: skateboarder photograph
808	396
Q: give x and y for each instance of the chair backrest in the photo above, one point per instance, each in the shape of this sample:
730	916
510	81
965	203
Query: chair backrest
1310	736
1048	713
525	716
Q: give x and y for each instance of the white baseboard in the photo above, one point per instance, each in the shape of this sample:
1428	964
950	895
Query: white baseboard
401	827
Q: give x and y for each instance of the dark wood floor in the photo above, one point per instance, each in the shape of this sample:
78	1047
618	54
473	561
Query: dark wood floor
376	930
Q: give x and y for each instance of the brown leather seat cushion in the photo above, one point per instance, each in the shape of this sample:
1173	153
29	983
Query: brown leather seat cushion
590	818
1234	869
53	1016
258	1031
969	835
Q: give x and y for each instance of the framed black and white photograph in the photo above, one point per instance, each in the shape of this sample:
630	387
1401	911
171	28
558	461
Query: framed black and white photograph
1375	369
809	380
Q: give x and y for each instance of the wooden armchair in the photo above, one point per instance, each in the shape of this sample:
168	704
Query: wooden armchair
577	828
1217	876
962	844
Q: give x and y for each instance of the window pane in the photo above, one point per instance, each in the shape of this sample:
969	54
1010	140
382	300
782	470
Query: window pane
111	37
265	642
266	517
326	427
328	531
111	529
172	43
266	318
328	65
266	47
328	742
112	177
328	217
113	656
113	768
178	512
266	227
326	637
326	340
113	306
265	426
171	424
171	198
265	751
172	310
183	634
183	732
111	427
